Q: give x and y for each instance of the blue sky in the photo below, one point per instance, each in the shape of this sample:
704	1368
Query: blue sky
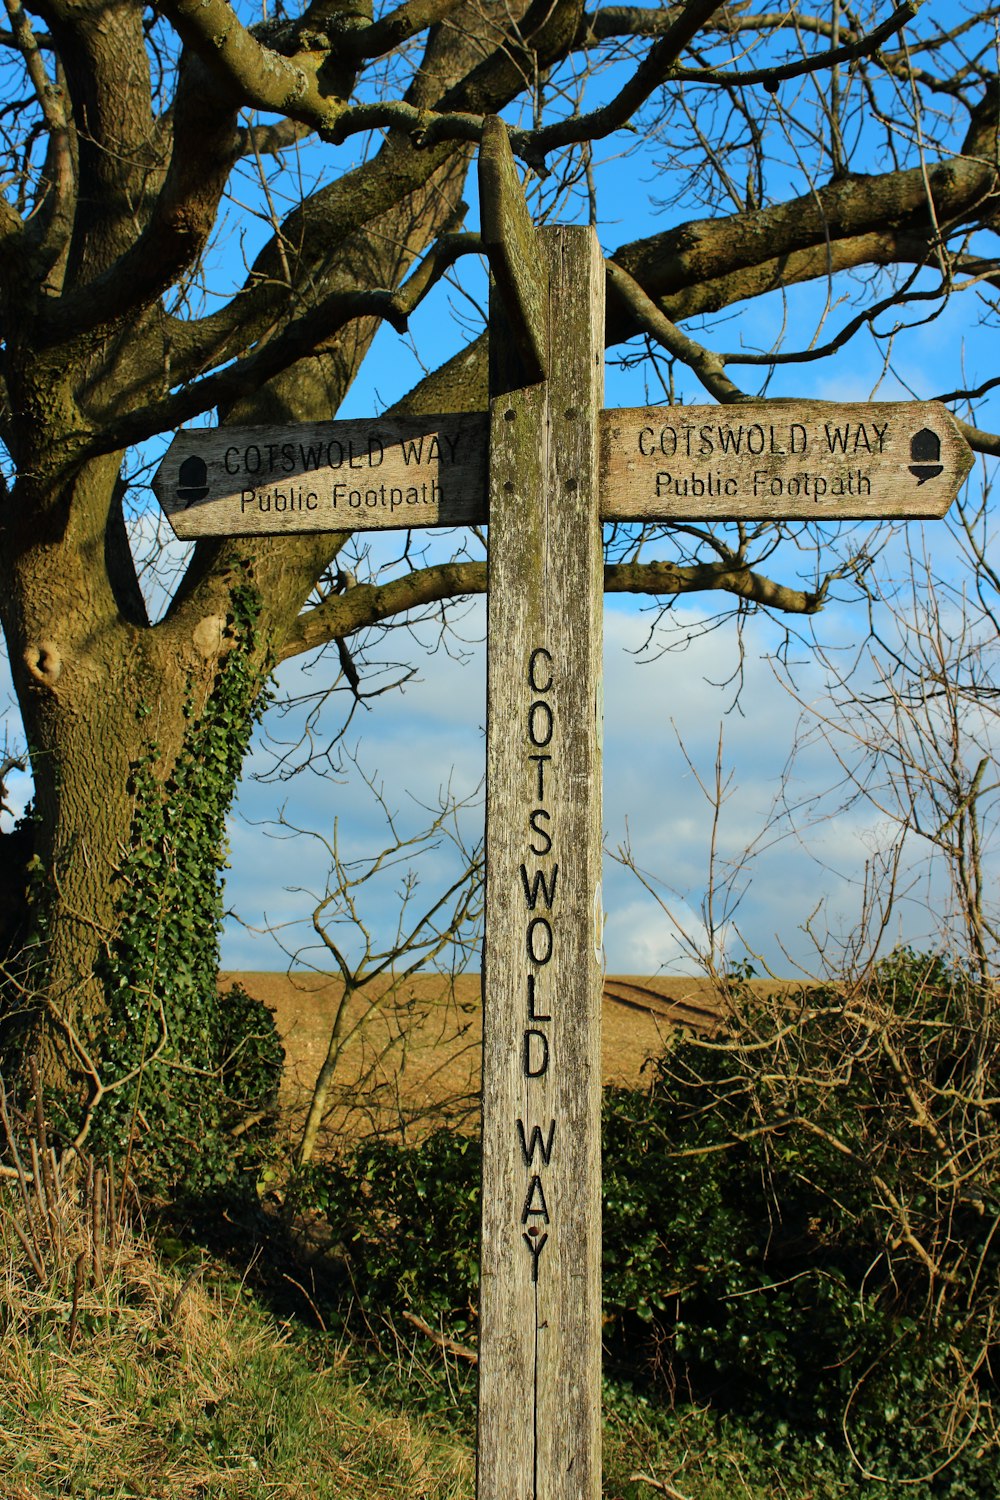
430	734
797	888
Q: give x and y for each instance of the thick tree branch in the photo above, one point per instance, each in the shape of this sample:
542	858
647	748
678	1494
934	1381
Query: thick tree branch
891	203
206	144
693	578
49	96
655	68
299	338
539	39
341	207
272	140
424	127
257	74
365	604
709	367
614	21
326	240
661	64
436	263
119	144
823	260
299	86
698	277
429	128
340	615
392	30
53	227
634	20
979	441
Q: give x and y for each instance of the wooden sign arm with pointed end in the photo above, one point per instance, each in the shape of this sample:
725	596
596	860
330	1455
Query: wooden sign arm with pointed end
512	246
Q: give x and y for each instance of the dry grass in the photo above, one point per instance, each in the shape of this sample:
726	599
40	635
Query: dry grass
122	1378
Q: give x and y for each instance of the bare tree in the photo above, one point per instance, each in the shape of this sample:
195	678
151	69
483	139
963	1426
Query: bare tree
872	1081
375	1014
789	149
910	715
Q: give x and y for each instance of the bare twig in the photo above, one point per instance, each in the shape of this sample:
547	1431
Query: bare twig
449	1345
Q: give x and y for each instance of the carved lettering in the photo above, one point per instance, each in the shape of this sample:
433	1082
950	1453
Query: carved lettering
536	1246
853	437
541	762
839	462
540	723
539	940
533	1014
535	1206
812	486
543	833
540	888
540	655
536	1143
539	883
709	438
386	496
536	1053
290	497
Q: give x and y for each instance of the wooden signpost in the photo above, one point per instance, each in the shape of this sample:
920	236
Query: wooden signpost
544	468
540	1269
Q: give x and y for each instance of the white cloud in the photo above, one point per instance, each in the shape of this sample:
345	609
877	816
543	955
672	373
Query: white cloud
646	936
651	796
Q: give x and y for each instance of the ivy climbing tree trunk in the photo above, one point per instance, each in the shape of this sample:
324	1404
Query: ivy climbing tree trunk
103	695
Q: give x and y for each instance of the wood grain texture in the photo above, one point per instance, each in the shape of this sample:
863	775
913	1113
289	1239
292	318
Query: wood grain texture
540	1347
373	475
797	460
790	461
510	239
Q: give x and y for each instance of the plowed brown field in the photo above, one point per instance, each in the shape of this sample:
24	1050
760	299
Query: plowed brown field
410	1055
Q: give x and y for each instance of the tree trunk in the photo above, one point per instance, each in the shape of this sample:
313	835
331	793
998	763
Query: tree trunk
101	692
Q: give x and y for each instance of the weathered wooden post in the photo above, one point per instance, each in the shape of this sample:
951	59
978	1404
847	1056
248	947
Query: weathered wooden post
555	465
540	1289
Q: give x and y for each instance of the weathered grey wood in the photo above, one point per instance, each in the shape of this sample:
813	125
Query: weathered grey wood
803	460
326	476
540	1300
509	237
797	460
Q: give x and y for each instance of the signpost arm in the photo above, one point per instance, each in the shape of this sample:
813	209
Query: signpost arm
540	1340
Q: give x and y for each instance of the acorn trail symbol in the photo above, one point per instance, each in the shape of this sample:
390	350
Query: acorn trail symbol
192	480
925	455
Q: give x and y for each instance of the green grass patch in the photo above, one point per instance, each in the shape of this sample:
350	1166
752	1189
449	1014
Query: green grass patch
122	1378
